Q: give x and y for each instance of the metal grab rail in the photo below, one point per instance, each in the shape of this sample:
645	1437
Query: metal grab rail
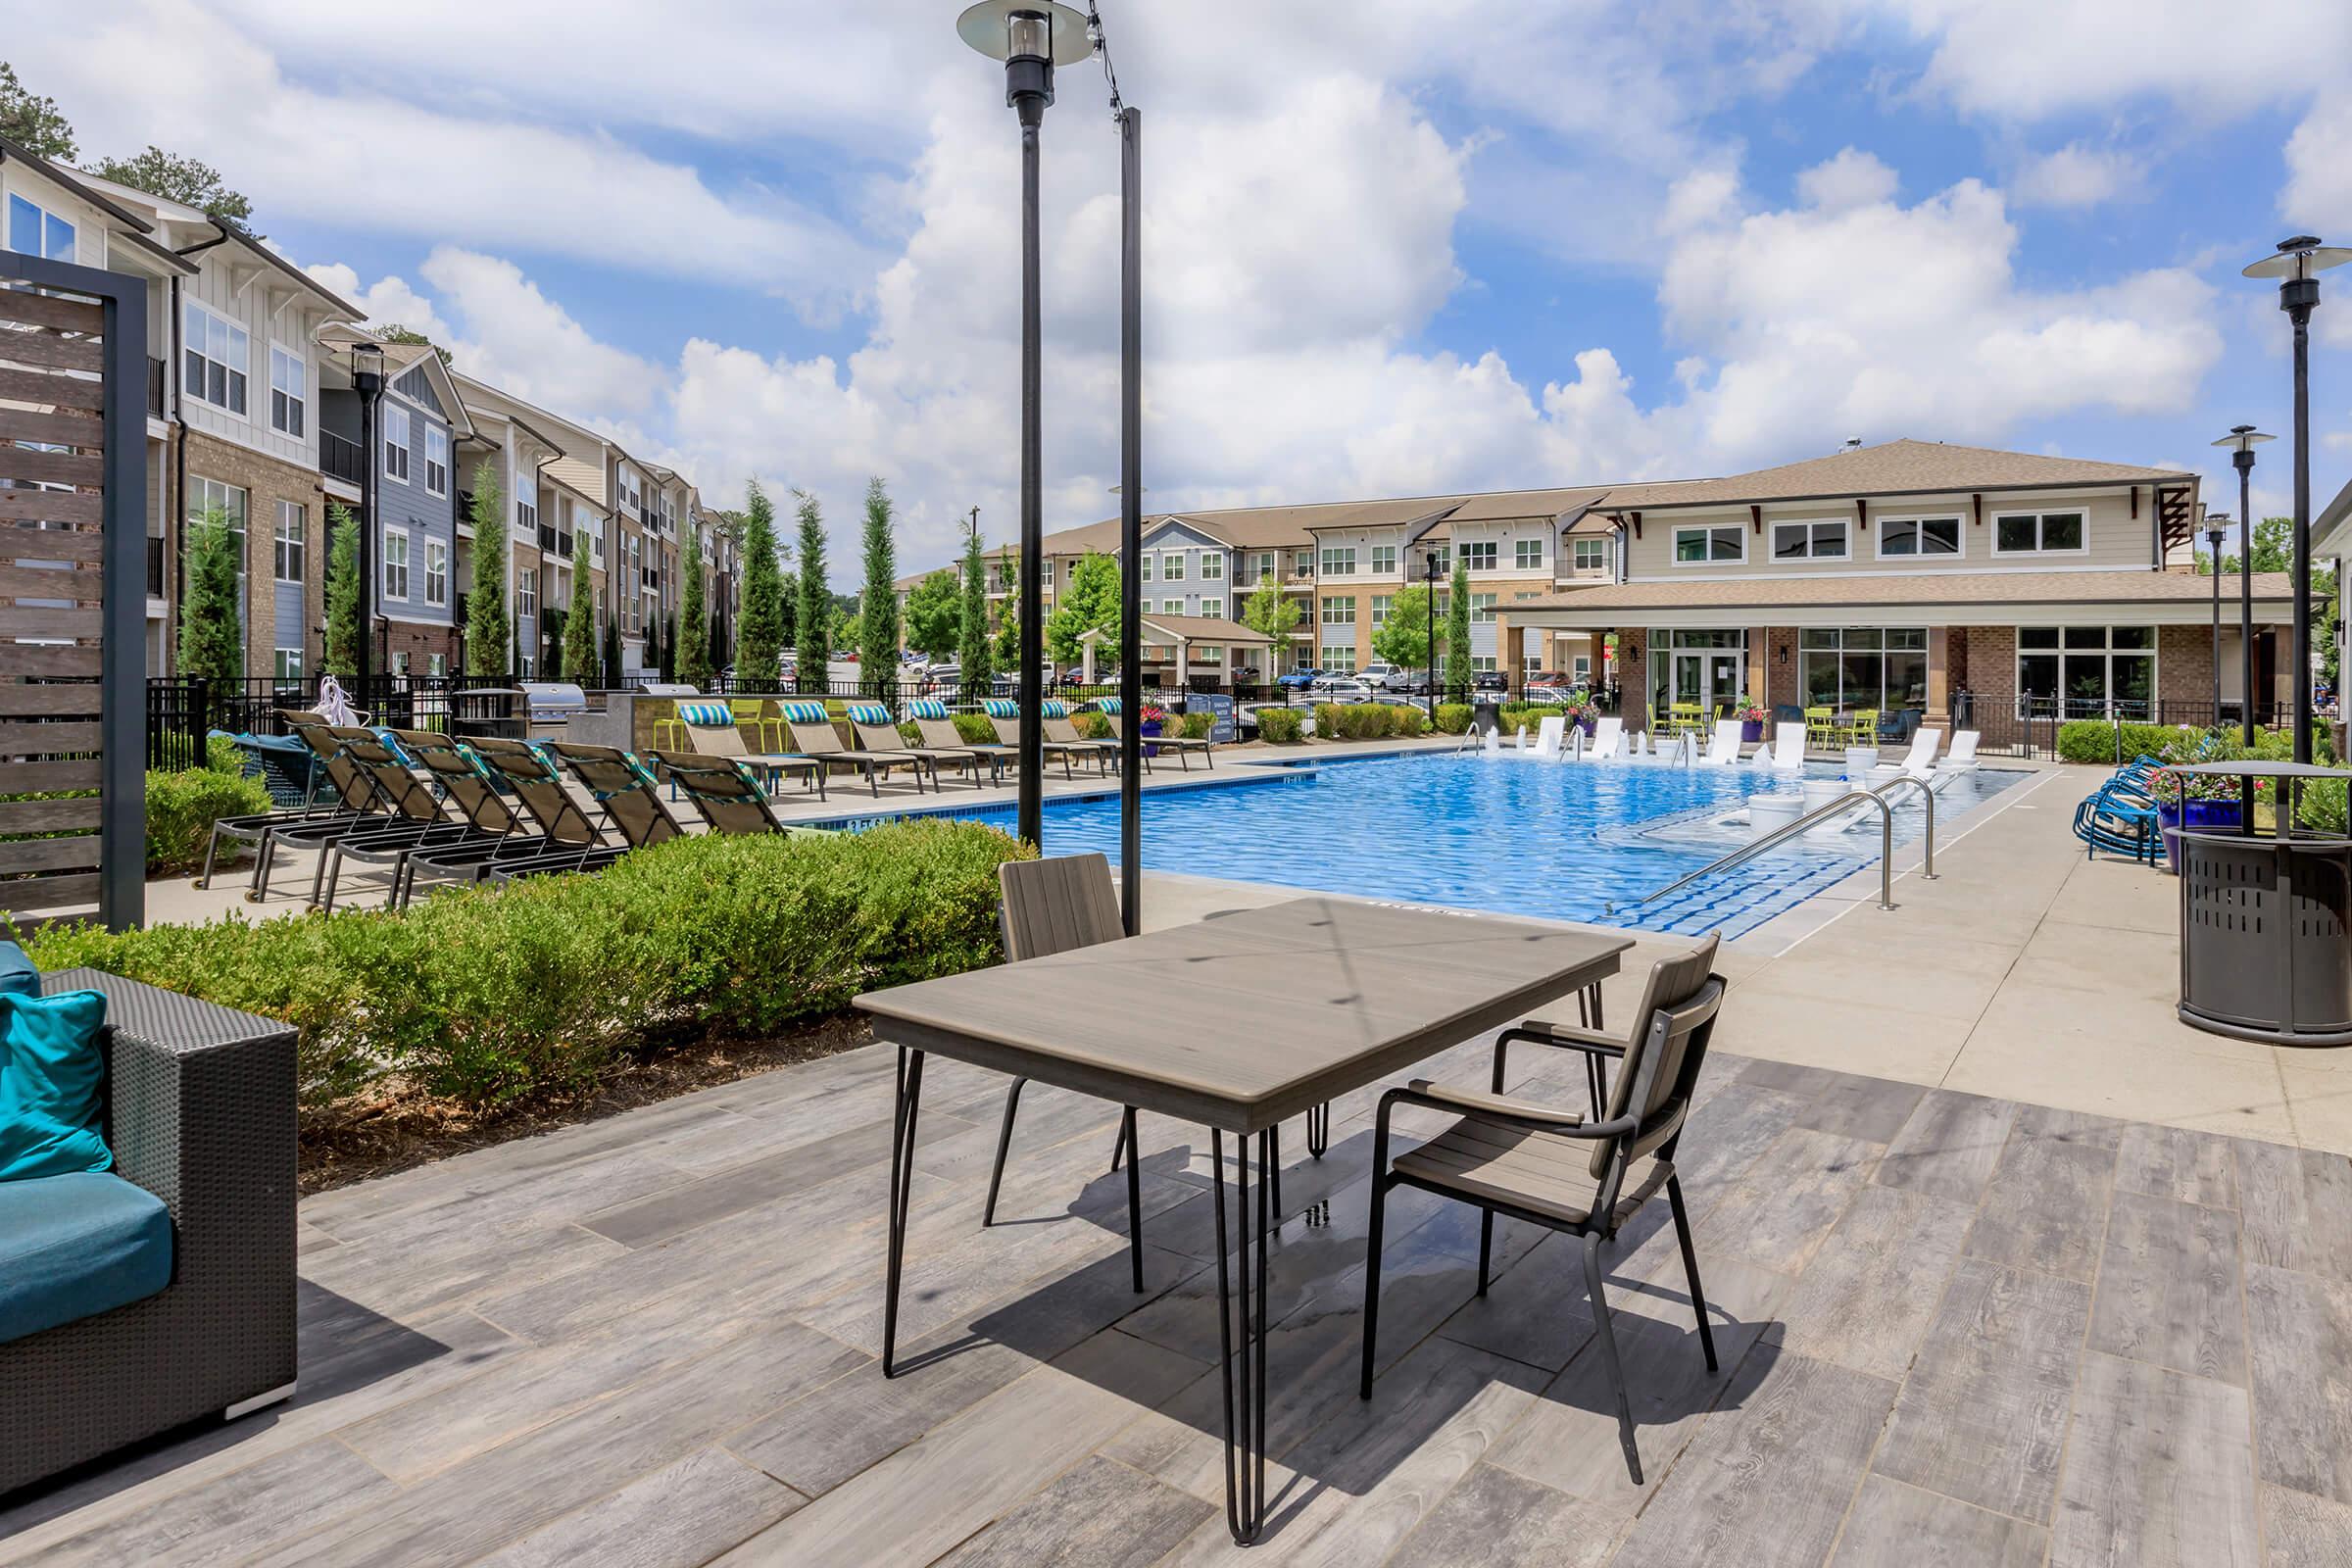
1927	793
1748	852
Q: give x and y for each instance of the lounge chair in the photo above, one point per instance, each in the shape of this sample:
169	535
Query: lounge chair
940	734
1608	739
723	789
709	728
1005	718
492	823
1182	745
1557	1168
1962	758
1724	749
628	791
481	794
1786	753
300	781
420	817
870	726
1054	717
395	802
1550	731
2122	818
1918	763
531	773
812	735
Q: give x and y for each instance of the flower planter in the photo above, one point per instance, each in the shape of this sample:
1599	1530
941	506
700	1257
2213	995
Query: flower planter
2202	816
1751	729
1148	728
1586	724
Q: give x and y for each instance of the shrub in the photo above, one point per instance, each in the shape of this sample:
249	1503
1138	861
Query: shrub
1279	725
1329	718
1092	726
483	995
2092	740
182	809
2323	809
975	729
1193	726
1454	719
1407	721
910	732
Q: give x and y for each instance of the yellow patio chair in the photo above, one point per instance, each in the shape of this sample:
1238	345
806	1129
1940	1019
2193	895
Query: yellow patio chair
1684	718
762	717
1863	728
670	734
1821	726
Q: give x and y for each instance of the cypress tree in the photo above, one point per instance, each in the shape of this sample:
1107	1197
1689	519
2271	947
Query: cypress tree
342	589
878	606
579	660
487	628
693	657
211	635
760	655
814	616
1458	632
974	657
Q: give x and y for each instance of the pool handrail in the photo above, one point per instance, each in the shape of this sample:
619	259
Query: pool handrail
1928	794
1748	852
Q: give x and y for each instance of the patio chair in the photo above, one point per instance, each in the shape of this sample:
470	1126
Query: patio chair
813	737
396	801
1054	717
1962	758
1608	739
356	804
535	781
940	734
1724	749
709	728
1786	753
480	794
871	727
305	789
1862	727
723	789
493	822
1918	763
619	783
1183	746
1550	731
1551	1166
1821	727
1684	718
2122	818
1005	718
420	820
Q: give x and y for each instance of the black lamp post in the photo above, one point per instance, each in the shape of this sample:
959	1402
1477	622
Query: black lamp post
367	375
1432	574
2297	264
2241	441
1031	37
2213	550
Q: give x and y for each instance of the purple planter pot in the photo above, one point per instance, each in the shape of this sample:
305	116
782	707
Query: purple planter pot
2201	816
1751	729
1149	727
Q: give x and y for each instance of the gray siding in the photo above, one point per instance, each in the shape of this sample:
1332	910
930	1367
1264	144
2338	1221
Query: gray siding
427	516
289	615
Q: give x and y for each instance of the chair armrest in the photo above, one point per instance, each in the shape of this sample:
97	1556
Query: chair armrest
1568	1036
1486	1105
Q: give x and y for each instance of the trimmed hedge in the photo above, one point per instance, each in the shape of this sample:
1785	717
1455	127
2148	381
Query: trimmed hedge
1454	719
182	809
1189	725
1092	726
1282	726
485	995
2092	740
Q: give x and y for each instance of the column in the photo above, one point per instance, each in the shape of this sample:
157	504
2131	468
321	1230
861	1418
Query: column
1506	649
1940	676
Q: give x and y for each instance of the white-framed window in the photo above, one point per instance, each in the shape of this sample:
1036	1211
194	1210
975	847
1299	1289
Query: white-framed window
399	664
1588	555
1171	567
1213	609
2040	533
396	562
1339	560
1443	555
1479	553
1303	562
1821	540
289	392
526	592
1383	561
1144	560
437	664
1261	566
1482	607
1380	608
1339	609
210	495
34	230
1529	554
1212	565
526	665
436	572
526	519
436	460
1710	544
1340	658
218	355
288	665
1171	607
293	521
1907	537
2086	671
396	442
1884	668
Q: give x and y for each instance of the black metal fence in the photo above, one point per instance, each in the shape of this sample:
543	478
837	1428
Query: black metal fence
182	710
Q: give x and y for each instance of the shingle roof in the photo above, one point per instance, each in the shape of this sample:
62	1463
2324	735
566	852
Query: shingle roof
1892	467
1908	588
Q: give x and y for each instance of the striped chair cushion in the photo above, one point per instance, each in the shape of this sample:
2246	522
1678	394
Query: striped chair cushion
869	714
927	708
1108	704
1053	710
803	712
1003	708
706	713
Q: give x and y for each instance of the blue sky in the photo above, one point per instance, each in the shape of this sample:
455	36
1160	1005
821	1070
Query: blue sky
1394	246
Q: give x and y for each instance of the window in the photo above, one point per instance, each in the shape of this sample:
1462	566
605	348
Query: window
1530	555
289	380
1383	561
1707	546
436	459
288	665
1809	541
396	443
1303	562
36	232
1171	567
1380	608
1145	562
219	354
1213	609
1482	608
526	592
1479	555
436	572
2021	533
1261	566
1443	555
2086	671
205	496
1588	555
1212	565
1863	666
291	521
399	664
1339	560
1340	658
526	519
437	664
1919	536
1171	607
1339	610
396	563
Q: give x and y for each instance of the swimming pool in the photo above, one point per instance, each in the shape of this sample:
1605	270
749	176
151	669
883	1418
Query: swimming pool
1562	841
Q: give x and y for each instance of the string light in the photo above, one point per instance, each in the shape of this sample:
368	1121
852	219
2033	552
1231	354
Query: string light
1110	77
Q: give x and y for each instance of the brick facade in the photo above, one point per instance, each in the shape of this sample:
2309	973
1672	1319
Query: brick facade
419	642
1984	662
266	481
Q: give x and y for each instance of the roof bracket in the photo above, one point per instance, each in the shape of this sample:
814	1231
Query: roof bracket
1756	516
1979	498
1861	514
2134	489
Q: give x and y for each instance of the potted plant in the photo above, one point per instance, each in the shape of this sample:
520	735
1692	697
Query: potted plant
1752	723
2195	801
1148	723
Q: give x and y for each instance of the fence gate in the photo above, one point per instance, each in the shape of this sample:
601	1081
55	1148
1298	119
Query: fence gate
73	591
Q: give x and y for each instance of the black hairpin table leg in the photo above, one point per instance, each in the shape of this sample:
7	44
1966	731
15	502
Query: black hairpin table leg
902	1185
1241	1315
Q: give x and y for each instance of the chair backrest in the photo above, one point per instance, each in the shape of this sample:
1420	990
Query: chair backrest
460	779
1964	747
1609	733
613	779
536	783
1550	730
1725	745
939	731
711	729
1656	1058
1054	721
1789	745
1005	718
1923	747
353	789
722	790
1053	905
871	726
402	792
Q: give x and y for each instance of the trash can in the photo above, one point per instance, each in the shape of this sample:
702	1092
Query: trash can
2264	948
1486	715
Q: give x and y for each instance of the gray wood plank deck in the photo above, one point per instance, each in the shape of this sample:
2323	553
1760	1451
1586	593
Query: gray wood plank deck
1954	1330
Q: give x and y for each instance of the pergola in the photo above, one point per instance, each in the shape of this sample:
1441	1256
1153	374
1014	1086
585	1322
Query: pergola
1179	633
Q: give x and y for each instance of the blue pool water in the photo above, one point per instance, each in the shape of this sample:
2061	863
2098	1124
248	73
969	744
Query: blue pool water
1561	841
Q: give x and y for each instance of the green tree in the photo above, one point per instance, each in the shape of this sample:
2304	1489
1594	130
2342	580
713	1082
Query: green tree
760	653
212	632
1402	639
487	628
580	664
935	615
844	626
1008	615
1457	631
188	180
1090	603
613	659
973	655
394	332
694	653
878	605
813	616
33	123
1270	611
342	589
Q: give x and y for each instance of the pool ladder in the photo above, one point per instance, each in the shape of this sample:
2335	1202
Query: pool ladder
1843	803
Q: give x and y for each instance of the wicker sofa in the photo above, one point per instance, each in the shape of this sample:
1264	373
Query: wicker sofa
200	1113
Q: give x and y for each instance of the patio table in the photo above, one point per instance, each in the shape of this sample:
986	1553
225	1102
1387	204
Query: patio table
1236	1023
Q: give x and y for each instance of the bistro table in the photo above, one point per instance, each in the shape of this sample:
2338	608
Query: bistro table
1236	1023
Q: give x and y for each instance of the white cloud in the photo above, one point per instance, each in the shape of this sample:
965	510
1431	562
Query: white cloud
1853	178
2076	175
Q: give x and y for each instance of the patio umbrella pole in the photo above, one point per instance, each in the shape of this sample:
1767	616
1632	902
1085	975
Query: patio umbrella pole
1131	521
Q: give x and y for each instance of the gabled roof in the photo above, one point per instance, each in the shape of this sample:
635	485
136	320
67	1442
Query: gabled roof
1892	467
176	212
399	360
135	230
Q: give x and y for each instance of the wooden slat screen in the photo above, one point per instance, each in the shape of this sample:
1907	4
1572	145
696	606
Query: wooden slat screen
52	593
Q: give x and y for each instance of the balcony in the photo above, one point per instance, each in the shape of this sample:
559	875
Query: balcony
547	537
155	388
340	458
157	560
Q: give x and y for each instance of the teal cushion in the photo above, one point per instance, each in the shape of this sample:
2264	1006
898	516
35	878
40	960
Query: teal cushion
18	976
927	708
805	713
73	1246
50	1071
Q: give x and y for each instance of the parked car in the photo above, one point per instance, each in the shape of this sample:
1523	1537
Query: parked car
1379	674
1298	680
1339	689
1490	680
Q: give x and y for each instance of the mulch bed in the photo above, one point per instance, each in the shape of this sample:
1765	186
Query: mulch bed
360	1140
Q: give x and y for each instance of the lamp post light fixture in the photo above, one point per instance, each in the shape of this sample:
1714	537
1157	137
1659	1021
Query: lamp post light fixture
367	375
2241	441
1432	574
1031	37
2297	264
2214	522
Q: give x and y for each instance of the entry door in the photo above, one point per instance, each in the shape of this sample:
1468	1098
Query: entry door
1725	685
1691	680
1708	678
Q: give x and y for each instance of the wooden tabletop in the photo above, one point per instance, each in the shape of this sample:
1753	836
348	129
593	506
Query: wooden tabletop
1242	1021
